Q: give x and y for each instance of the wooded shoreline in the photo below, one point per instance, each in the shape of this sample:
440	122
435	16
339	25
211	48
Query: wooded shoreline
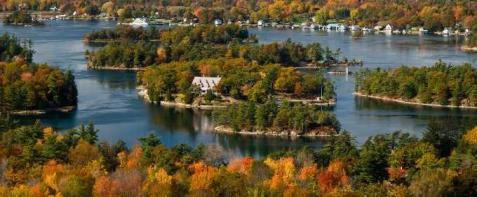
402	101
319	132
38	112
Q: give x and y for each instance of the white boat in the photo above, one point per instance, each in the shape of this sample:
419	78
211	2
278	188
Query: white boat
342	28
139	22
312	27
366	29
422	30
260	23
388	28
354	28
445	32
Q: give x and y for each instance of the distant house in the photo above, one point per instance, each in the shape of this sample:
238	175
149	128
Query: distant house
206	83
388	28
218	22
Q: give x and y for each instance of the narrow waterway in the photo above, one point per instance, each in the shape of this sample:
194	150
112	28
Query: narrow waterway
109	99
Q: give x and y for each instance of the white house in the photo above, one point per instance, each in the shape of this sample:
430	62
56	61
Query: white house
218	22
388	28
206	83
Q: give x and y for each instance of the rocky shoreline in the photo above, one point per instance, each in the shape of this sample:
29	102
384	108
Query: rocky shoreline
407	102
143	93
319	132
114	68
65	109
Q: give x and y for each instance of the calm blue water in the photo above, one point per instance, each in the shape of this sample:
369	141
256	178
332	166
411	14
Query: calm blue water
109	99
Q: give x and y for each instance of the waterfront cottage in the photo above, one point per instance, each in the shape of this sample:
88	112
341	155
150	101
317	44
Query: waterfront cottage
206	83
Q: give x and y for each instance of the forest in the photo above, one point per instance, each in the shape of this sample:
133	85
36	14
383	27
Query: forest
12	48
442	84
431	14
290	118
30	86
240	79
39	161
122	33
206	42
21	18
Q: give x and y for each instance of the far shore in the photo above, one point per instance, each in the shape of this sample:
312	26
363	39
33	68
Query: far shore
115	68
396	100
106	41
469	49
320	132
37	112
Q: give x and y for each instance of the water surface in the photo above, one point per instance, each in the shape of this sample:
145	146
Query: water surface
109	99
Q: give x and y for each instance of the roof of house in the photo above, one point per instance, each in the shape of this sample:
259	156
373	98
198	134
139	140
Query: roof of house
206	83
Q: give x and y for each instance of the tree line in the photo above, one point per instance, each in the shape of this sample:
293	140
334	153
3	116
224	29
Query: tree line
121	33
441	83
30	86
12	48
205	42
21	17
277	118
240	79
433	15
38	161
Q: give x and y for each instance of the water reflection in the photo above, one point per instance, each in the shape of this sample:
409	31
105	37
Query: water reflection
110	100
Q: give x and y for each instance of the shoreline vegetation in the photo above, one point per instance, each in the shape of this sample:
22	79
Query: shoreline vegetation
193	43
142	92
28	88
322	132
275	119
431	15
33	112
22	18
440	85
409	102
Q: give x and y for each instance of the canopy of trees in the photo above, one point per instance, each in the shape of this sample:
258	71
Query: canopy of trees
197	43
431	14
12	48
122	33
29	86
21	18
37	161
270	117
240	79
440	84
35	87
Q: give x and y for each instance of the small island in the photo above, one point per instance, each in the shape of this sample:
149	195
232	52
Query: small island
122	33
21	18
224	81
271	119
440	85
205	42
32	89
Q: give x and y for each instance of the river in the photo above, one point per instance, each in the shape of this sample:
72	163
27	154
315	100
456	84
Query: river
109	99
